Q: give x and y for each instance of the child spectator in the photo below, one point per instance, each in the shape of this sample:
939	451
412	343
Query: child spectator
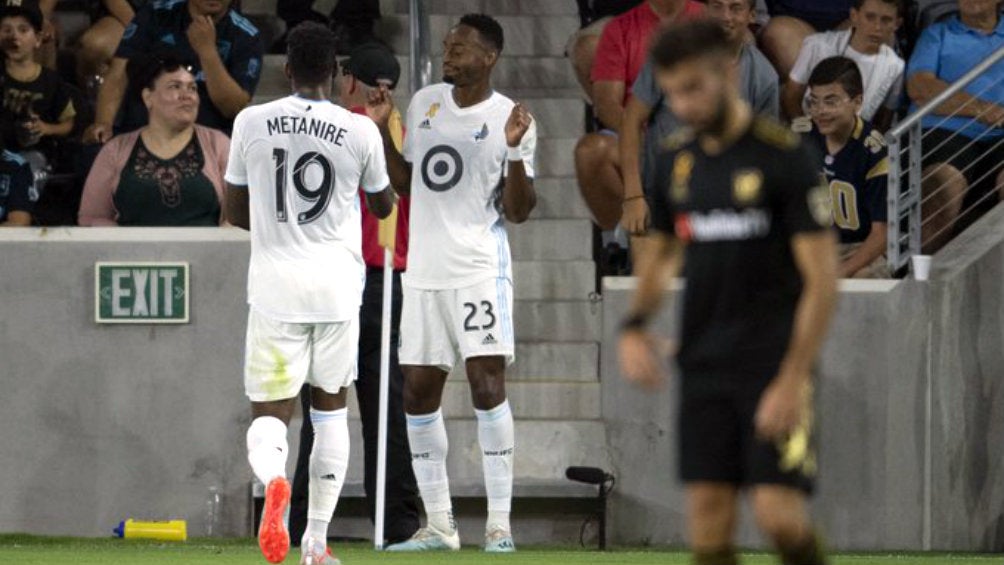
791	21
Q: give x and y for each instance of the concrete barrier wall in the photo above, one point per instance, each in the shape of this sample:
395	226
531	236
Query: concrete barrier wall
910	400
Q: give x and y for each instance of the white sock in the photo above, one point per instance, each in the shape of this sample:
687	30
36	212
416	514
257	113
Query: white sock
329	460
429	446
267	448
497	438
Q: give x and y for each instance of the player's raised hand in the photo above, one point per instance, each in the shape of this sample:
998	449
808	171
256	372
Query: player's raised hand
641	355
379	105
634	217
517	125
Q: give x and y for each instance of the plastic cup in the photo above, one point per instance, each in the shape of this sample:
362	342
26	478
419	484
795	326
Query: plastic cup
921	266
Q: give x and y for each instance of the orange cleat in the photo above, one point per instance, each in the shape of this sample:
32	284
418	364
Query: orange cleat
273	537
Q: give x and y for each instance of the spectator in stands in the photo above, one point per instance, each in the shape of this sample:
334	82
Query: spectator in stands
646	109
168	173
621	52
791	21
874	24
97	44
17	190
855	162
962	138
581	46
37	107
351	20
222	47
367	67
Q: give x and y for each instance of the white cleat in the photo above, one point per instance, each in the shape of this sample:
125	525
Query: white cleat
316	552
428	539
498	540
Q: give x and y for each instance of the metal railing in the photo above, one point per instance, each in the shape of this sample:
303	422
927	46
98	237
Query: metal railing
909	231
419	60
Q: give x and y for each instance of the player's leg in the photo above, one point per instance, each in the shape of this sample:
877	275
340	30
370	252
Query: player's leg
333	370
783	518
426	355
711	522
487	345
597	168
301	474
275	367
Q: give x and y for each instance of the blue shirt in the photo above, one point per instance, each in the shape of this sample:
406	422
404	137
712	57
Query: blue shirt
950	49
17	185
858	176
163	26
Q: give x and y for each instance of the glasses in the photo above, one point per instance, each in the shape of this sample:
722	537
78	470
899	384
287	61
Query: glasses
828	104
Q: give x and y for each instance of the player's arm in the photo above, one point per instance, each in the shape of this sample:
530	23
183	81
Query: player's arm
870	249
238	206
379	106
635	216
518	195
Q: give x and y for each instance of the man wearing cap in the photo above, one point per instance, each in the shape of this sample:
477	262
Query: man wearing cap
367	67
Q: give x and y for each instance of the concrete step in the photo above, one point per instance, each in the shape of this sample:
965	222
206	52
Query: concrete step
525	35
551	240
549	362
557	320
558	197
555	157
554	280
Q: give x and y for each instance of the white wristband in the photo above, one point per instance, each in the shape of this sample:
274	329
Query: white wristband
513	154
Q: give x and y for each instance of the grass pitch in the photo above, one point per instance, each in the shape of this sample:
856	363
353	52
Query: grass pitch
32	550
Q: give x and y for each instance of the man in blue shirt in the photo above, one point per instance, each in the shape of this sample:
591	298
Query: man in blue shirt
223	48
961	142
17	190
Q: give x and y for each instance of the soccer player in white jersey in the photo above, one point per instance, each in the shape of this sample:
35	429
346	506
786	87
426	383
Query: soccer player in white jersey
468	165
292	179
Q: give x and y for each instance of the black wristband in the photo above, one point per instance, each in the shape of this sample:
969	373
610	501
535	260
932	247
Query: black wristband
634	322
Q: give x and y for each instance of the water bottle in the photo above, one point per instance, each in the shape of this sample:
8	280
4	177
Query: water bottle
213	512
169	530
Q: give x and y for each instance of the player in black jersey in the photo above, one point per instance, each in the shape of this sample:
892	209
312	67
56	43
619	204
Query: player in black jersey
741	203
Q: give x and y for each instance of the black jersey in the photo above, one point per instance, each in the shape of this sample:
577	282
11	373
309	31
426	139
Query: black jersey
737	212
858	178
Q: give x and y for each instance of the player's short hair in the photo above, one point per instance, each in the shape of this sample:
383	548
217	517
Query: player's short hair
678	43
488	28
838	70
310	54
897	3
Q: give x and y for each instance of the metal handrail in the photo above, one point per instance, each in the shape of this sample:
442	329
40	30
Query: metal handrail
940	99
419	60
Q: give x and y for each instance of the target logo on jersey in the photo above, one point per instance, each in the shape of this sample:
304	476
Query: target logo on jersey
442	168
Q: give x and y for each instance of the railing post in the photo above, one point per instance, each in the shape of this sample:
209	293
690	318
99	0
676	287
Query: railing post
893	236
420	64
915	191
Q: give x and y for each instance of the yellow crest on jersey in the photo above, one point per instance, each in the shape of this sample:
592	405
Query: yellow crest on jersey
746	185
683	165
433	109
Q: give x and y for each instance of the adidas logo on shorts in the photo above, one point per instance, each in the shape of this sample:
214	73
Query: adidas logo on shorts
489	340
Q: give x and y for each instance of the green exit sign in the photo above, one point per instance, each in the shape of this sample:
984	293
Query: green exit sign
141	293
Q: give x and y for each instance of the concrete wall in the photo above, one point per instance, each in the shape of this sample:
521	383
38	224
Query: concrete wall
910	405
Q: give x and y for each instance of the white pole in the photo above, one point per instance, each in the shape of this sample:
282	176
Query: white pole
385	325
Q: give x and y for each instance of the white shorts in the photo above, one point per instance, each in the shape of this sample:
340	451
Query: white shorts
279	357
475	320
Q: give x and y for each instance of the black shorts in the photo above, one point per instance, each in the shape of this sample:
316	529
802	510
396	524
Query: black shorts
978	160
718	443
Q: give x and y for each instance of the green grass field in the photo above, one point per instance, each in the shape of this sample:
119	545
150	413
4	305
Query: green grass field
31	550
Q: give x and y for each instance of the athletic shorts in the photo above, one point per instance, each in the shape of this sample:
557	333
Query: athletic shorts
280	357
718	443
443	327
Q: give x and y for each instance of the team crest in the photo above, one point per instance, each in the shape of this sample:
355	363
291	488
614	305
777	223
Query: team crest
683	165
820	204
746	185
481	134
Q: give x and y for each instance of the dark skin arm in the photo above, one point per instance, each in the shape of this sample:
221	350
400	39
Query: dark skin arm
518	195
379	107
381	204
238	206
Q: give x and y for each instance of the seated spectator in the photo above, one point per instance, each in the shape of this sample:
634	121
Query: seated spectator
581	46
646	111
222	47
874	24
168	173
621	52
37	105
351	20
17	190
791	21
855	162
962	147
97	44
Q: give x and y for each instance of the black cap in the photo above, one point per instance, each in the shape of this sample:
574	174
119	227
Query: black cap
373	63
26	8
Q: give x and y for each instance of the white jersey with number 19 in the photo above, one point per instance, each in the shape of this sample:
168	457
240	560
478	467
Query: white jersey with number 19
458	158
303	162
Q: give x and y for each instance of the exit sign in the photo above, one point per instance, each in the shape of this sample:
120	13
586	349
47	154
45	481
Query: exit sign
141	293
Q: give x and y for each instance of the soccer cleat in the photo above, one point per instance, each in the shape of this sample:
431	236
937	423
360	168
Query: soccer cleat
273	538
428	539
316	552
498	540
